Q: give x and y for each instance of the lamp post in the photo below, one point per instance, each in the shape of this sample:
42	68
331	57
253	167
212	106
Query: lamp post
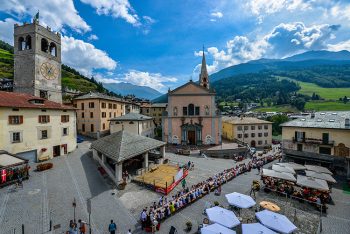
74	205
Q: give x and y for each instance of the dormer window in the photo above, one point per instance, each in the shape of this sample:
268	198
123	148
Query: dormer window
37	101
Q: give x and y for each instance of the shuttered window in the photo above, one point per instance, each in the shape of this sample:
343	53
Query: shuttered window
15	119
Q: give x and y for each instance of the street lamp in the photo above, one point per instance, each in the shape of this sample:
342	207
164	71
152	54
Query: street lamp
74	205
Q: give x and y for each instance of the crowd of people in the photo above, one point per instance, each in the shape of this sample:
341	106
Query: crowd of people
167	206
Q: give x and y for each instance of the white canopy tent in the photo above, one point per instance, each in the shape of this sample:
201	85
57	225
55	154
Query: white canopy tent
275	221
281	168
240	200
293	165
323	176
279	175
318	169
222	216
312	183
256	228
216	229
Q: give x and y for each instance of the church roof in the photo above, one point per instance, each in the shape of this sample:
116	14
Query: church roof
210	91
93	95
132	117
124	145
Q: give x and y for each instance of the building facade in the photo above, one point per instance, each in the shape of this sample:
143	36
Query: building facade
35	128
134	123
154	110
191	117
255	132
94	111
321	137
37	61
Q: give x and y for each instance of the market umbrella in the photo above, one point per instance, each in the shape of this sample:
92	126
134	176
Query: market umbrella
216	229
280	175
293	165
275	221
280	168
240	200
318	169
256	228
222	216
323	176
312	183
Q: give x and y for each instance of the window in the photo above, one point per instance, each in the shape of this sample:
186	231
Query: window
260	127
21	43
265	142
82	115
246	128
239	135
64	118
206	110
83	127
110	105
28	44
53	49
197	110
91	114
300	147
44	45
239	128
15	119
75	105
325	138
252	127
43	134
131	122
92	127
110	114
114	106
259	134
103	114
184	110
44	119
299	136
266	134
64	131
91	105
82	106
259	142
252	134
103	105
175	111
43	94
246	135
266	126
190	109
114	114
16	137
103	126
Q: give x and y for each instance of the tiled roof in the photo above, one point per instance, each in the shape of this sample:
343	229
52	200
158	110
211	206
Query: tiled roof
335	119
161	105
23	100
93	95
244	120
132	116
124	145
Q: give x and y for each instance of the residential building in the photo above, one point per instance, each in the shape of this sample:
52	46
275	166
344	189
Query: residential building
191	117
255	132
132	107
35	128
154	110
94	111
321	137
135	123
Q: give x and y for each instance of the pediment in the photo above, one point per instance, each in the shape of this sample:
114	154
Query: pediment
190	88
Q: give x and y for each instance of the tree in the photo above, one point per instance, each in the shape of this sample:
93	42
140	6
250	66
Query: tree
299	103
277	120
345	99
269	101
261	103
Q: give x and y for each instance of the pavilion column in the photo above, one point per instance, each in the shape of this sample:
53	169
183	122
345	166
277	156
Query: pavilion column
162	154
119	172
145	162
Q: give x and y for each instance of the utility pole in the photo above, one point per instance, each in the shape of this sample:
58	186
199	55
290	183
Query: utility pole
74	205
88	206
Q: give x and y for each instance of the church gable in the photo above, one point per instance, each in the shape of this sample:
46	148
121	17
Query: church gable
190	88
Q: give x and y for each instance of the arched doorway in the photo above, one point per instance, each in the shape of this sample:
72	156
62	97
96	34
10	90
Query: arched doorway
252	143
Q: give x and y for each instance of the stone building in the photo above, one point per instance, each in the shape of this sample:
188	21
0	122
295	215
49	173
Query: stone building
321	138
191	117
255	132
154	110
37	61
134	123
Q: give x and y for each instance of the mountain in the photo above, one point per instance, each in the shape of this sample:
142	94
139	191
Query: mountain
127	88
304	60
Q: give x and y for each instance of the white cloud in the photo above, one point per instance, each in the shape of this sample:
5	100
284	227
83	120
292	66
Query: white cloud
217	14
6	29
84	56
343	45
154	80
54	13
116	8
266	7
93	37
340	12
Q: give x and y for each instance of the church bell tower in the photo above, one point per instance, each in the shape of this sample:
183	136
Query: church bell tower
203	76
37	61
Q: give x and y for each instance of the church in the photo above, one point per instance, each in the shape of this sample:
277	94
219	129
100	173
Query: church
191	117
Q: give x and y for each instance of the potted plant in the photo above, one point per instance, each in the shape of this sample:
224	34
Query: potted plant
188	226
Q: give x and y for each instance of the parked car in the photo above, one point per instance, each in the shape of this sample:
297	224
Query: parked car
80	139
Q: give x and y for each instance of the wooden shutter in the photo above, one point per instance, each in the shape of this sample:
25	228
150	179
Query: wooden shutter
48	118
62	118
303	136
39	118
21	119
295	135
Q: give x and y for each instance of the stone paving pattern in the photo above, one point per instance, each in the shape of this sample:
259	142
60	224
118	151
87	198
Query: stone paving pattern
51	193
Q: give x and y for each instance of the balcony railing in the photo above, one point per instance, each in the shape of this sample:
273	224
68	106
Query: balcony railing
313	141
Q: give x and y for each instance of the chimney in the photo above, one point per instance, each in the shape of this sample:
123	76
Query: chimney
347	123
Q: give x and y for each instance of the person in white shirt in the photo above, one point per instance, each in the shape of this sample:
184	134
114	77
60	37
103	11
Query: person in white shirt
129	232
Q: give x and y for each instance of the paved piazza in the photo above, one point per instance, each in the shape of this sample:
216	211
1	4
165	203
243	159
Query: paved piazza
49	195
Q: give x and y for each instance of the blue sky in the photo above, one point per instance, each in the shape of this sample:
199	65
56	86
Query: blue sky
157	43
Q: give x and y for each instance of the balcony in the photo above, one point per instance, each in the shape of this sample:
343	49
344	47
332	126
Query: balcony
313	141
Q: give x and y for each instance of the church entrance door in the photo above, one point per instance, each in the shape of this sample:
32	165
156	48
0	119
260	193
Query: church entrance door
191	137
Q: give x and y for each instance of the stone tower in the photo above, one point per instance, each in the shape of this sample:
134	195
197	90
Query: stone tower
37	66
203	76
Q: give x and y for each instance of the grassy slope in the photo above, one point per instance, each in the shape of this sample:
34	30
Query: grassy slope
326	93
6	64
327	105
280	108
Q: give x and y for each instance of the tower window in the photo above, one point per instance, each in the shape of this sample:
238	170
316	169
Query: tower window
43	94
21	43
53	49
205	85
190	109
28	42
44	45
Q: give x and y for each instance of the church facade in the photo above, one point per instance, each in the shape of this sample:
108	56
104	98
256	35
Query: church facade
191	117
